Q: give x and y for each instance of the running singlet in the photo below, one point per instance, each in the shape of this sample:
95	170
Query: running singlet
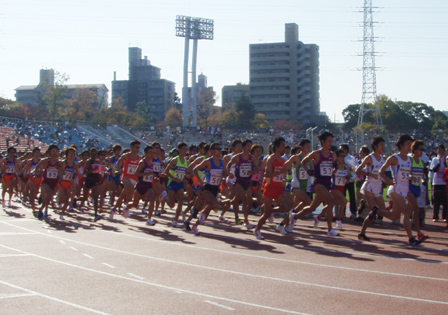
323	170
10	167
417	173
146	169
51	174
401	171
130	167
157	166
213	177
300	175
340	177
69	173
179	170
374	170
242	171
278	180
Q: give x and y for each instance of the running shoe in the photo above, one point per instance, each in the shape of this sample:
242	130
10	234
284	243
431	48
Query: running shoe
61	217
45	213
223	219
363	237
150	222
288	229
202	218
238	221
157	213
422	237
316	222
249	226
40	215
414	242
194	212
339	224
292	220
144	211
174	224
195	230
332	232
97	217
9	204
373	213
187	226
163	196
281	229
258	235
111	215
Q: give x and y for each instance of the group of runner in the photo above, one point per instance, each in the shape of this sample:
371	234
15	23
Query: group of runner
209	177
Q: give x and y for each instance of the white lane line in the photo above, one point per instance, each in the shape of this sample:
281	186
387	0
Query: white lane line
74	248
14	295
15	233
12	255
223	306
49	231
256	256
240	274
106	264
135	276
52	298
88	256
159	285
62	242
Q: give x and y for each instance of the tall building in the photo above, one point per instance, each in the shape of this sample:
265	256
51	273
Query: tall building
284	79
33	94
144	85
230	93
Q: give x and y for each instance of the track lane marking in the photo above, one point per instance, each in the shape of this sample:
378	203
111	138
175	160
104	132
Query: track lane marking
52	298
219	305
152	284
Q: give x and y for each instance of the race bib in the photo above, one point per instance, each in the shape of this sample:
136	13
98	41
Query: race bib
417	179
279	178
340	181
179	175
156	168
52	173
10	169
303	175
403	174
68	176
132	169
325	170
245	170
148	178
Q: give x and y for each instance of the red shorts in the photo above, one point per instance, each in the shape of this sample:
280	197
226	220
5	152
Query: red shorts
65	184
36	180
340	188
7	178
273	192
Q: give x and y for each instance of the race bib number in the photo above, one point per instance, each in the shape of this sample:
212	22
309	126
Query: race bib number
340	181
417	179
68	176
325	170
156	168
148	178
245	170
279	178
132	169
404	175
303	174
52	174
10	169
179	175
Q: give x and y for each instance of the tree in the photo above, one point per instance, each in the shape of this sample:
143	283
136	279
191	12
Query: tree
51	94
440	122
80	107
351	114
260	122
144	112
173	118
229	119
245	112
205	109
177	102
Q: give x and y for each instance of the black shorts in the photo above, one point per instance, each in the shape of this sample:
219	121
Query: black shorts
213	189
91	181
143	187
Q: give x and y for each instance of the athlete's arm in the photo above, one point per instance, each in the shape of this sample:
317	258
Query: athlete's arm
391	161
312	156
367	162
205	164
234	160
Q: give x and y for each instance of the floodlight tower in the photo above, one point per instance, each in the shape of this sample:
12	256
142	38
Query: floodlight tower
369	100
195	29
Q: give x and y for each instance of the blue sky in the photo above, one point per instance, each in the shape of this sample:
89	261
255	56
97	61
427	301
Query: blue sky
89	39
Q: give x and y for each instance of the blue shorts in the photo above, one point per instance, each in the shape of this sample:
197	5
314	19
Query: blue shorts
415	190
196	188
288	187
175	186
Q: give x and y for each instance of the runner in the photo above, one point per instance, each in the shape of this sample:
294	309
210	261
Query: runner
92	172
115	186
214	172
34	180
235	148
49	186
175	172
9	168
341	176
143	189
275	186
323	168
398	191
244	166
68	169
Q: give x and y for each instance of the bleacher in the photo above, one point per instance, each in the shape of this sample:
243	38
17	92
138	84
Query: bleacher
10	137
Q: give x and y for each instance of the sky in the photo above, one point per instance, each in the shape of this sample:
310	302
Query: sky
89	39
